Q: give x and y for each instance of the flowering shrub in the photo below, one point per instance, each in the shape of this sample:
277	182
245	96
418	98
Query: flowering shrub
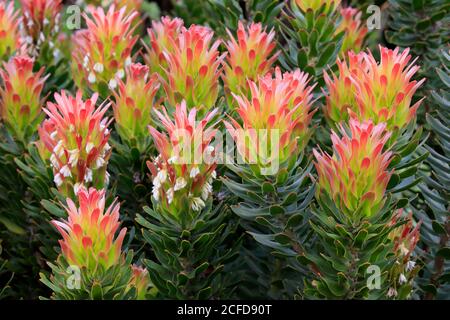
185	167
281	107
134	100
163	36
74	139
103	50
21	97
9	30
254	149
41	25
193	69
367	89
355	32
356	176
249	57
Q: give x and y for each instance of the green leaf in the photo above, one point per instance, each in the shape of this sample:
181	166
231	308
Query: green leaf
11	226
96	291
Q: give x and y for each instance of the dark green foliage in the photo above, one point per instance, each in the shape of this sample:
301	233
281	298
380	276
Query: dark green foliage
70	283
424	27
190	254
274	211
129	179
222	14
309	41
435	190
17	228
346	250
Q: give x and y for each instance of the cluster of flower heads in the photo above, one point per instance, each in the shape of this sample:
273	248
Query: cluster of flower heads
188	62
75	140
163	36
274	121
41	25
89	231
134	100
355	177
367	89
249	56
193	69
103	50
184	170
20	96
9	30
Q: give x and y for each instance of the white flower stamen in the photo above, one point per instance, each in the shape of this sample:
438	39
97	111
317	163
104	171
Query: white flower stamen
197	204
180	184
88	176
170	195
112	84
194	172
89	147
91	77
65	171
410	265
98	67
402	279
58	180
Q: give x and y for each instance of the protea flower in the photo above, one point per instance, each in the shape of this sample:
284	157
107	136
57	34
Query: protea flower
184	170
134	100
193	69
163	36
140	280
76	137
354	31
40	24
405	238
20	97
249	57
89	232
103	50
380	91
275	119
9	30
315	5
355	177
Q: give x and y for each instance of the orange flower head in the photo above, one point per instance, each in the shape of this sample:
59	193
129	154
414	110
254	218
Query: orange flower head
20	96
193	69
134	100
163	36
184	170
9	30
355	177
89	232
41	25
354	30
249	57
76	137
275	120
367	89
103	51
